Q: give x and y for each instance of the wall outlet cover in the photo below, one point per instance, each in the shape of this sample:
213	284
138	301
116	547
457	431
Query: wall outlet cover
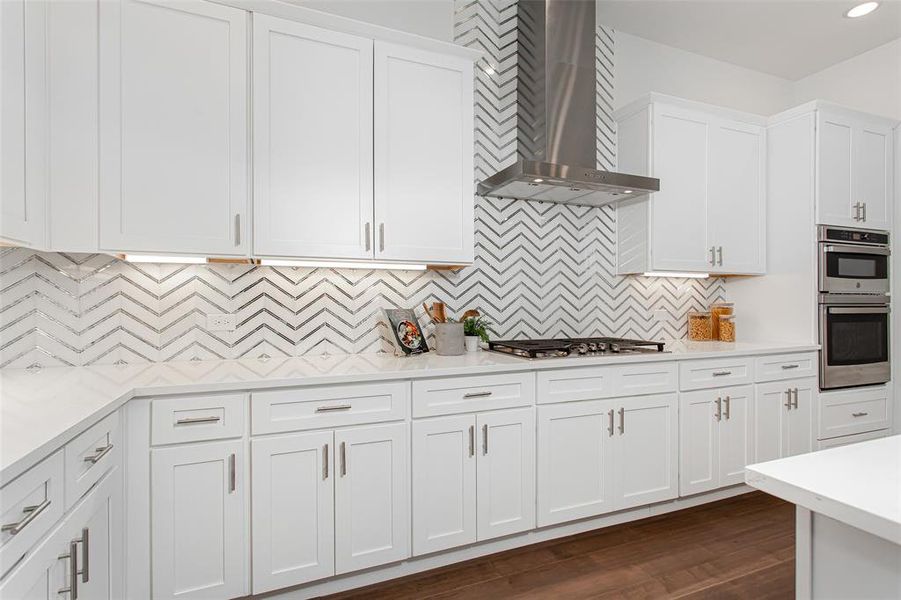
220	322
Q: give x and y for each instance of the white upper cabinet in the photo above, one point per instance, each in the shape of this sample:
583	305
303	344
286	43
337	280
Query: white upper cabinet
173	127
312	139
854	169
710	213
424	178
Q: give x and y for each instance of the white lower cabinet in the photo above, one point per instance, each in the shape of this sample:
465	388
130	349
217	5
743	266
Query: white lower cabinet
602	455
473	478
198	520
783	418
715	438
328	502
293	509
371	492
80	557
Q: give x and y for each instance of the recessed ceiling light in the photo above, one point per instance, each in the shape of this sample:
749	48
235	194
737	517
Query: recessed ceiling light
862	9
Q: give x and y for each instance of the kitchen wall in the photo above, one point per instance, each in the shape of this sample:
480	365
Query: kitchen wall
540	270
869	82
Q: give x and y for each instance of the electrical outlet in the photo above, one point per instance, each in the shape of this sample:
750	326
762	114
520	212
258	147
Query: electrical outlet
220	322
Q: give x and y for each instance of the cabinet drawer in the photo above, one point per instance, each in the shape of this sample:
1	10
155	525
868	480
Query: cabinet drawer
454	395
853	411
328	406
90	455
197	418
29	507
592	383
785	366
715	372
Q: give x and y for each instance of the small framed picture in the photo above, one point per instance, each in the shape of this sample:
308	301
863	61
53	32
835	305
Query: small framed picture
409	336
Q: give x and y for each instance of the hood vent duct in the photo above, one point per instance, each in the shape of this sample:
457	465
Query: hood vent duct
556	118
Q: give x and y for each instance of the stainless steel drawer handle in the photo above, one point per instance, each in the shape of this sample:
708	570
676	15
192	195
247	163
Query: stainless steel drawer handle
101	452
485	431
343	459
859	414
232	473
719	409
721	373
85	555
334	407
795	403
476	395
728	402
325	461
787	367
610	426
195	420
622	421
72	556
31	513
788	401
472	440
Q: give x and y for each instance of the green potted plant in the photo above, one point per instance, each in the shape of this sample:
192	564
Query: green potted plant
475	328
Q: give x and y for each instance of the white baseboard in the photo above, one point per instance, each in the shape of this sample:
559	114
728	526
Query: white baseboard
448	557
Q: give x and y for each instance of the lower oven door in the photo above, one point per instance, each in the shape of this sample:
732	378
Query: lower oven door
855	345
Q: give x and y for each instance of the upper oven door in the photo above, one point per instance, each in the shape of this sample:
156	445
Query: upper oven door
855	345
852	269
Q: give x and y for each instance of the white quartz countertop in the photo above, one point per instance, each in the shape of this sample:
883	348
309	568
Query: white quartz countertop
41	410
859	484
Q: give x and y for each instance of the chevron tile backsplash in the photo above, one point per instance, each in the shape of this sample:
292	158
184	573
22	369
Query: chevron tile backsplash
540	269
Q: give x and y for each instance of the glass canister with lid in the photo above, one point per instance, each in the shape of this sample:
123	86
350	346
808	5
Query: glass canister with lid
700	326
717	311
726	328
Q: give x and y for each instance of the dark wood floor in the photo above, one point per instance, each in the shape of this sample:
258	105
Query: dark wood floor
742	547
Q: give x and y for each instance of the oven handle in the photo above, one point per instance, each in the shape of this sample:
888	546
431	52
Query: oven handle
858	310
858	250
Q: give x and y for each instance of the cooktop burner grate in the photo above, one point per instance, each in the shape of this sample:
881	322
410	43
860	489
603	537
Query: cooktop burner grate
561	347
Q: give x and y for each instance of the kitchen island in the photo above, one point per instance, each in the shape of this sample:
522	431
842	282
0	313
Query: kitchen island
848	520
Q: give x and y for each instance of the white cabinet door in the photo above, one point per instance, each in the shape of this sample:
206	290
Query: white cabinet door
96	551
372	516
424	177
506	472
737	197
735	436
575	461
873	173
798	428
646	450
20	216
679	209
769	414
312	139
293	509
173	127
835	159
198	516
444	483
698	442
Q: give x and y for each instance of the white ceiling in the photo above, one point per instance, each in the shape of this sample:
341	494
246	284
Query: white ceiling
787	38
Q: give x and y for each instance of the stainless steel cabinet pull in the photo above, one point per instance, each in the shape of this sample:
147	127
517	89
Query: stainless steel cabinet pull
788	401
193	420
334	407
232	472
719	409
85	555
856	207
610	426
728	402
325	461
472	440
485	434
237	230
343	459
622	420
795	403
101	452
859	414
713	256
368	237
721	373
864	212
787	367
72	557
719	252
476	395
382	237
31	513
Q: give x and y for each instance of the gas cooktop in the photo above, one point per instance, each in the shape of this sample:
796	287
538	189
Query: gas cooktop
559	348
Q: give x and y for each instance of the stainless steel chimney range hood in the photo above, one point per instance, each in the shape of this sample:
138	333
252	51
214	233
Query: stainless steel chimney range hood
556	120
